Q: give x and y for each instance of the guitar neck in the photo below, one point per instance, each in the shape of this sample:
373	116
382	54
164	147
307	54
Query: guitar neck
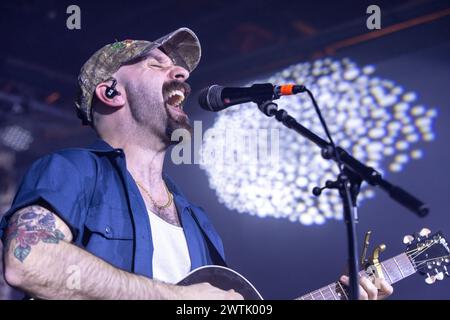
394	270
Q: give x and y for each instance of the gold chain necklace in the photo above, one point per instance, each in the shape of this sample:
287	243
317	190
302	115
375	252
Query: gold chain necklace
164	206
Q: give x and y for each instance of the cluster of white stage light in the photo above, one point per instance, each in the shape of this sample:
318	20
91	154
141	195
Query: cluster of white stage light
375	119
16	138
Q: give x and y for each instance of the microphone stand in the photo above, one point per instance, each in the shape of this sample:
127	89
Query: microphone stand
348	182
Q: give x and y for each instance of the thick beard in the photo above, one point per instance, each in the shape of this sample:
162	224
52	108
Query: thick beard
174	124
150	113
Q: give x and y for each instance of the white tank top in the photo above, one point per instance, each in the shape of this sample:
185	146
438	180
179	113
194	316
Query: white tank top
171	261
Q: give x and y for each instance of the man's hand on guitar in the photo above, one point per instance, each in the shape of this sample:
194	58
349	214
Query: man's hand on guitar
368	290
205	291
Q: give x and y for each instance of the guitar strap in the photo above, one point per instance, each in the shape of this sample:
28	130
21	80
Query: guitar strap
215	254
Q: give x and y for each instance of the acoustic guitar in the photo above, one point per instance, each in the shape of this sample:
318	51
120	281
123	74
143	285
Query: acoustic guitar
425	254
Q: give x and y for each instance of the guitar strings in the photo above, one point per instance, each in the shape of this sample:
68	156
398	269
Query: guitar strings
425	261
427	246
416	252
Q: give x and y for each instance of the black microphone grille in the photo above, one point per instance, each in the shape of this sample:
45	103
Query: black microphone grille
203	98
209	98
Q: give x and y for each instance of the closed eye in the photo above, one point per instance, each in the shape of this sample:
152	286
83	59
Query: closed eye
154	65
159	63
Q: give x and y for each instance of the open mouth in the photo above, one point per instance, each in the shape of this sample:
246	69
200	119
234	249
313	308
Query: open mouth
175	94
175	99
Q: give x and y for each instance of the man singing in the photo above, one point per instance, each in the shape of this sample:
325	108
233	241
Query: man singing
108	214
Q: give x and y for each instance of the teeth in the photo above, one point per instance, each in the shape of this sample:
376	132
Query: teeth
176	92
175	97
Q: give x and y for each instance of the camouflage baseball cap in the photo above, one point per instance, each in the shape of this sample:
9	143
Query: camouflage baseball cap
181	45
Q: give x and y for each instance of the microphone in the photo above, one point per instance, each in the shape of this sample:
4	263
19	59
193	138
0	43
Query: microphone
216	98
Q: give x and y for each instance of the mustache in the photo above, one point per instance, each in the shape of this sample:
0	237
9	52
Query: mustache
176	85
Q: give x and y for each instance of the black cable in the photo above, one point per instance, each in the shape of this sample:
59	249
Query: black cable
351	233
325	128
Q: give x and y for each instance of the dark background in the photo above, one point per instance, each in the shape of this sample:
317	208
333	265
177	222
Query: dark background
242	41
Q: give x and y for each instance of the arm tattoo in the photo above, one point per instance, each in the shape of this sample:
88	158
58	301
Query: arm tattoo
28	227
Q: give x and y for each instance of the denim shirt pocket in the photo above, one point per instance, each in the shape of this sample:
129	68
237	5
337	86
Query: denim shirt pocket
109	235
110	223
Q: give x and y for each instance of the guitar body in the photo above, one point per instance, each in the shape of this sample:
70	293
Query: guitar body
222	278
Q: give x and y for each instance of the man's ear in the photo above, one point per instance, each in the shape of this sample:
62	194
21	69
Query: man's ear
117	101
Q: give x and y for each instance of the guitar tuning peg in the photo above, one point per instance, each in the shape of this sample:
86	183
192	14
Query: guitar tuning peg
424	232
408	239
439	276
430	279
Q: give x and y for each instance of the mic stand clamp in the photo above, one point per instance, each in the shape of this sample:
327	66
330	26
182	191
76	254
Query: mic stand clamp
269	108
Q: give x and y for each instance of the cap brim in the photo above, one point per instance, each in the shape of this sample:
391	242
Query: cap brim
182	46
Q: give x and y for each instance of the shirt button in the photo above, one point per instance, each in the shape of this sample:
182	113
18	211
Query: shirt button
108	230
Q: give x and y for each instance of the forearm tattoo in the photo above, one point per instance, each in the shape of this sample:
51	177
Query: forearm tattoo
28	227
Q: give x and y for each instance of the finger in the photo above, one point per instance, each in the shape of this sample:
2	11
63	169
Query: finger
385	289
369	288
235	295
344	280
362	293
